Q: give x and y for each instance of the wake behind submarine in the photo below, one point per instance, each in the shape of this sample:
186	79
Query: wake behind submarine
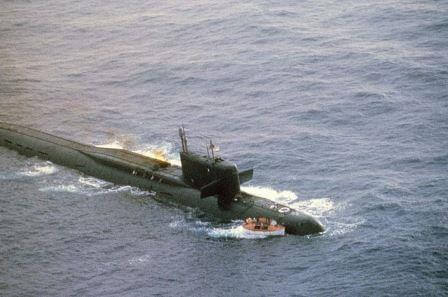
205	182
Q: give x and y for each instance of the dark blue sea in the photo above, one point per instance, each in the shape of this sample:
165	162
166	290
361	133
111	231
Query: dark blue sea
340	106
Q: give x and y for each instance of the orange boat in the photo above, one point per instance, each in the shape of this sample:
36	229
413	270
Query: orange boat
263	226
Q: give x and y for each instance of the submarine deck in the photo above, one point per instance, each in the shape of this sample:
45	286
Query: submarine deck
123	155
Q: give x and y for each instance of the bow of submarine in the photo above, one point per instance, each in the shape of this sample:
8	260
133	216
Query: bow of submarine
302	224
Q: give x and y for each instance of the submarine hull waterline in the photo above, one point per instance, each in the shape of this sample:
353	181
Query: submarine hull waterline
127	168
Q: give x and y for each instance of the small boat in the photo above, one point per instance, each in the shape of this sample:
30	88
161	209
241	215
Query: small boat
263	226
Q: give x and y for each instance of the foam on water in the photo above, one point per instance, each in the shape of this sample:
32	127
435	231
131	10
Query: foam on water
233	230
139	260
237	232
316	206
339	228
5	176
61	188
272	194
39	169
94	182
98	186
91	186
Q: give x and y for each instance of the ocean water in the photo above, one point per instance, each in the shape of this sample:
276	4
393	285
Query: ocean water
340	106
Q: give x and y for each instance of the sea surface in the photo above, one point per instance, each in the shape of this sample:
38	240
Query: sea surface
340	106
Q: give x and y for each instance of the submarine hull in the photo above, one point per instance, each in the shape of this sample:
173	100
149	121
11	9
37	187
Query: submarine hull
127	168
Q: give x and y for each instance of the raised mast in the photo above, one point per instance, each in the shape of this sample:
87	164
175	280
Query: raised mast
183	139
212	149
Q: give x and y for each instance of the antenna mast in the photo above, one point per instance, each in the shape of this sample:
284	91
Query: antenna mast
212	147
183	139
208	151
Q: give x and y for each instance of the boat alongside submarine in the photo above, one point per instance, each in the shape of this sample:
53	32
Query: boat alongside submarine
205	182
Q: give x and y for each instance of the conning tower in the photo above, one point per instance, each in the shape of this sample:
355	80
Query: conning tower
210	174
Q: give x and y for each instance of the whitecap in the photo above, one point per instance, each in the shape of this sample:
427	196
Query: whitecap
139	260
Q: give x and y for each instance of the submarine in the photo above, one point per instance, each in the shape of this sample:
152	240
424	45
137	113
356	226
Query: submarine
205	182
